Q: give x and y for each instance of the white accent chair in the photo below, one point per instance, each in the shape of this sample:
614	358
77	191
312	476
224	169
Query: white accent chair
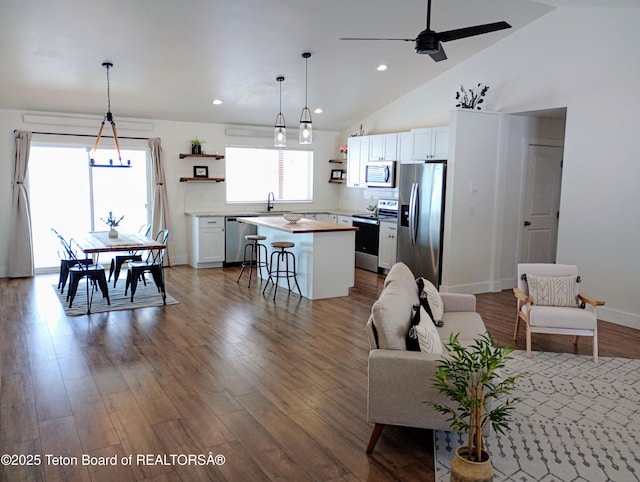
562	320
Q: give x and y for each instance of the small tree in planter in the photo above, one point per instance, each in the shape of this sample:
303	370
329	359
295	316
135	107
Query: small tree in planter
470	377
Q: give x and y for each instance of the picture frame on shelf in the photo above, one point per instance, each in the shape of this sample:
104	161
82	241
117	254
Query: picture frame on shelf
336	174
200	171
343	175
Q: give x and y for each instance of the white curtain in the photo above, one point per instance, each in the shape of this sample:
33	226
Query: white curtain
160	210
20	244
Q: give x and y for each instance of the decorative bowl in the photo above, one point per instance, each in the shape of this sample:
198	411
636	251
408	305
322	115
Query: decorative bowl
292	218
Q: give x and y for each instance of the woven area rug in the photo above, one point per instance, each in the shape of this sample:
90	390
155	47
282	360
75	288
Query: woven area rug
577	421
145	297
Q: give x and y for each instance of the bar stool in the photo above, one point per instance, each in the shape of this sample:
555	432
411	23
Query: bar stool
255	249
276	269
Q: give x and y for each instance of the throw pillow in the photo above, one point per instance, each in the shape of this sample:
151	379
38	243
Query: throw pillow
553	290
435	301
427	332
412	334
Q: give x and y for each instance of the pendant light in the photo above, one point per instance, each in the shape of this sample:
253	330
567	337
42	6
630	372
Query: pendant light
306	133
280	130
107	118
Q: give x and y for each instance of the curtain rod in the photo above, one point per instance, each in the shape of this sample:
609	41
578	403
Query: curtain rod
84	135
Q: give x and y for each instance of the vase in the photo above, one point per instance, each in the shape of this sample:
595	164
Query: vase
196	149
464	470
344	155
113	233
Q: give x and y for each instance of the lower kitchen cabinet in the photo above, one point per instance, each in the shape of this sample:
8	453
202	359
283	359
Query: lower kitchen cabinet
207	242
327	218
388	244
346	220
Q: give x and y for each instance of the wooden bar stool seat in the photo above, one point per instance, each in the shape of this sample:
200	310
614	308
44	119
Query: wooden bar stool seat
279	266
257	256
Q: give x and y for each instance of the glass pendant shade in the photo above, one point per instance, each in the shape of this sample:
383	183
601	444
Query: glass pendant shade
279	130
306	132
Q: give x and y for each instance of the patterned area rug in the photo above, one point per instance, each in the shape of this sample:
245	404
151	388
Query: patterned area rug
145	296
577	421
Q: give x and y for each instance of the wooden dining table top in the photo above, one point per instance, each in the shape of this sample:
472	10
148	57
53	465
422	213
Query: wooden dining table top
100	242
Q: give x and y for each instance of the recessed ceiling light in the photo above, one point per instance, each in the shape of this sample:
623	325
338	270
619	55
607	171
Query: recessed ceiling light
217	102
381	68
318	110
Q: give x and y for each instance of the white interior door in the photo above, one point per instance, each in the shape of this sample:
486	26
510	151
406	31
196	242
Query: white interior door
542	204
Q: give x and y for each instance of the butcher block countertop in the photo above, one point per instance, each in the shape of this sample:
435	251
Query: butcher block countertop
303	226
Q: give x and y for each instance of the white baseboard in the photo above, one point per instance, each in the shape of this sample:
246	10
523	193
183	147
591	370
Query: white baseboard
630	320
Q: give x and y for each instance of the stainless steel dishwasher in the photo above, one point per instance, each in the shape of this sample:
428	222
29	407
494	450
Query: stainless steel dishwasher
234	239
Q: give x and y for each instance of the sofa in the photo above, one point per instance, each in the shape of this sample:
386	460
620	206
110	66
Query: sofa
400	381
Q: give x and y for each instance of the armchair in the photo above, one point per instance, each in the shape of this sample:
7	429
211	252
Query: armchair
544	309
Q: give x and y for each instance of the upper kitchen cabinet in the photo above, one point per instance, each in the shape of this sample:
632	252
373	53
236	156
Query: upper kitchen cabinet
383	147
429	143
357	157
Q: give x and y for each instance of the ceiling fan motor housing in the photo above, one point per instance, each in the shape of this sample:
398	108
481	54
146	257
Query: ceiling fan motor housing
427	43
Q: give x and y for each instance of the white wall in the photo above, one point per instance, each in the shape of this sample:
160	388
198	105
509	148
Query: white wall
176	138
585	59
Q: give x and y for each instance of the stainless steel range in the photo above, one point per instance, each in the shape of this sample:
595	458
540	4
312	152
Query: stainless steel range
368	234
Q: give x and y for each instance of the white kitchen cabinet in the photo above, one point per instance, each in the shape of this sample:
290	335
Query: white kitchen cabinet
430	143
405	147
383	147
207	242
345	220
357	157
388	242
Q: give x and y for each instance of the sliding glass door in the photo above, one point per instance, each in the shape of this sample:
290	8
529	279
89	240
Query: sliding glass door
68	195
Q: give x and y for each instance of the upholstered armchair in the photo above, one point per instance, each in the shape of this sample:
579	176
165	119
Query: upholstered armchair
549	301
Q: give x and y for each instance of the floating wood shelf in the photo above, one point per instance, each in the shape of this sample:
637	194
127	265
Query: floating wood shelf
337	181
202	179
212	156
337	161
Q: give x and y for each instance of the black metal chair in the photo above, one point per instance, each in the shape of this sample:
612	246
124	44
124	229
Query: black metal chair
153	265
94	273
119	260
65	262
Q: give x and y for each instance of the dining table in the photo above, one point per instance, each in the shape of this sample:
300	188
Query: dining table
94	243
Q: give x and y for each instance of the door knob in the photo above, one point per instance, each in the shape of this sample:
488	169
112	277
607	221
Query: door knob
527	223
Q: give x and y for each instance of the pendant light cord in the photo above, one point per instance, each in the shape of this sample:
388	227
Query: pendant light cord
108	91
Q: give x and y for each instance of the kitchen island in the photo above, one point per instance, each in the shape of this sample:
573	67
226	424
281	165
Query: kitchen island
325	253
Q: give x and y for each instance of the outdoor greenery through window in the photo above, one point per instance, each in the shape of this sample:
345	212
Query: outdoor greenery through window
253	172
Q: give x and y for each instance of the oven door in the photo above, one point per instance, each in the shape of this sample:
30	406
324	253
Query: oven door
367	241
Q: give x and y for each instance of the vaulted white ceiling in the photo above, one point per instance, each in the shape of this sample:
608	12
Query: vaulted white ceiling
172	58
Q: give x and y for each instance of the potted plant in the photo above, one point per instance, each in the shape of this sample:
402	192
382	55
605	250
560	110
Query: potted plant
113	223
470	99
470	377
196	146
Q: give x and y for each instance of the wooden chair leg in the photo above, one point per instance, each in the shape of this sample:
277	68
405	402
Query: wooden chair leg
595	346
575	341
515	331
528	340
375	435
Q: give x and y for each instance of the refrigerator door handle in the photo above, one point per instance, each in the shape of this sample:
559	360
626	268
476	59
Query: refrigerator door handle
413	205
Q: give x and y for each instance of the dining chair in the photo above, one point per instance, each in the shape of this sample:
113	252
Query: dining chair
94	273
65	261
118	260
153	265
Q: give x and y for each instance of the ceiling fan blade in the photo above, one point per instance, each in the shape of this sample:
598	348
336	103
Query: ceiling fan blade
471	31
363	38
439	55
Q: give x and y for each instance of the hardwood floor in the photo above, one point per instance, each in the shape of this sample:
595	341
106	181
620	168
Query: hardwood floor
277	388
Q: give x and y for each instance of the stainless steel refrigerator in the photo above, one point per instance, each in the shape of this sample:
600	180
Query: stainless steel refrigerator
421	218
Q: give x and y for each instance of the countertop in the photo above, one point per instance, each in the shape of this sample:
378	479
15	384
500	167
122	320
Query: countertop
303	226
338	212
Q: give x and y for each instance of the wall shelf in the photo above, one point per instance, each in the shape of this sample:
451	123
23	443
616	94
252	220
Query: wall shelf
337	181
211	156
337	161
202	179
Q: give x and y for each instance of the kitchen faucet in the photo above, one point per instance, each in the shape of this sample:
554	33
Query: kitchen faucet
270	199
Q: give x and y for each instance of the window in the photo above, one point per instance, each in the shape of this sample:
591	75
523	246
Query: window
253	172
68	195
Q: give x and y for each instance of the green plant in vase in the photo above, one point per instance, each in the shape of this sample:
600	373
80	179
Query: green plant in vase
470	377
196	146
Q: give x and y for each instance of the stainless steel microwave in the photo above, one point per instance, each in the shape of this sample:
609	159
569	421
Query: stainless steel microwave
380	174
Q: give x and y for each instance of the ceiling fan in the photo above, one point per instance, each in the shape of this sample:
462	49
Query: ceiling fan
428	41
